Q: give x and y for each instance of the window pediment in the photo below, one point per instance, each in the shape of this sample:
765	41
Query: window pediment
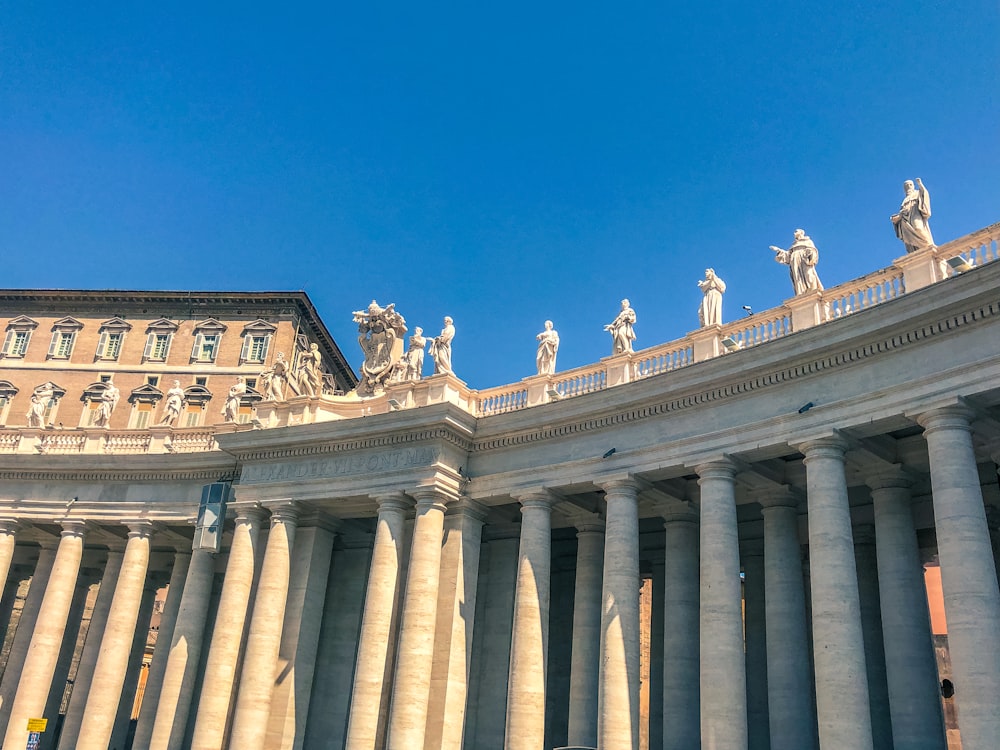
115	324
197	394
148	394
67	324
57	391
94	391
210	325
162	325
7	389
259	327
22	323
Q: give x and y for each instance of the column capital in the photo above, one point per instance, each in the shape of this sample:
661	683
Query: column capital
679	511
779	497
395	501
431	497
283	511
9	525
589	526
829	446
952	417
73	528
536	497
721	468
249	513
468	508
140	529
888	479
625	483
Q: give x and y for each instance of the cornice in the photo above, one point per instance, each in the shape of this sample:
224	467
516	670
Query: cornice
846	353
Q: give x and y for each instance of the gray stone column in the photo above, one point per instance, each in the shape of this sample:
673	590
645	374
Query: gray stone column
585	659
185	646
369	704
227	635
260	659
46	640
25	628
529	640
723	675
656	637
135	663
618	697
8	530
681	604
411	686
911	668
116	643
91	650
161	652
791	715
755	637
300	633
968	574
838	641
871	626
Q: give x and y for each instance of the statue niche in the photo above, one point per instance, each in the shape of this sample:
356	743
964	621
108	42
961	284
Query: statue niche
380	335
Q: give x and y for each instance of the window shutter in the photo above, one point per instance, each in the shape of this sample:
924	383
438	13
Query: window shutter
6	342
54	344
245	353
263	350
196	349
166	348
147	352
102	345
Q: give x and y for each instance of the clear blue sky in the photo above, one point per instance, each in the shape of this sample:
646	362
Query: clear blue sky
500	163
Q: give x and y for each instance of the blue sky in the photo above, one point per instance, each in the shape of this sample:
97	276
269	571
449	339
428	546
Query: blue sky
502	164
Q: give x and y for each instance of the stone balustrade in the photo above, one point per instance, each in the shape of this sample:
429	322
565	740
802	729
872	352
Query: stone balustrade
906	274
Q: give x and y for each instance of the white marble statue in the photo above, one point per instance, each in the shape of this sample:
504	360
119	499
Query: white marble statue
109	400
40	398
801	259
622	330
712	287
172	406
548	347
274	378
414	359
309	375
231	409
380	336
441	348
911	221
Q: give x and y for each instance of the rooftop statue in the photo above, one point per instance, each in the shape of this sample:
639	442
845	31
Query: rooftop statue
380	336
231	409
548	347
712	287
109	400
911	221
414	359
172	406
441	348
622	330
310	381
801	259
40	398
274	378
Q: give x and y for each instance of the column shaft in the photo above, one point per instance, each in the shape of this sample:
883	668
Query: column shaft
46	640
412	684
755	634
529	641
871	626
791	717
838	641
681	665
585	666
968	575
227	636
723	675
366	725
260	660
911	668
116	644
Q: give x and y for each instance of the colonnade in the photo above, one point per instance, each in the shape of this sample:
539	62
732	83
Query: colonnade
394	637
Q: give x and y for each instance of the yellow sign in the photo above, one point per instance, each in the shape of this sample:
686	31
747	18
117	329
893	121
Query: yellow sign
37	725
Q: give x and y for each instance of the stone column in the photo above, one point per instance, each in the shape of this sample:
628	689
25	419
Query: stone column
585	664
46	640
455	620
755	636
260	659
681	665
723	675
227	636
8	530
791	716
838	640
411	686
300	633
529	641
91	650
618	696
25	628
185	645
968	574
871	626
116	644
656	663
368	705
911	668
135	663
158	664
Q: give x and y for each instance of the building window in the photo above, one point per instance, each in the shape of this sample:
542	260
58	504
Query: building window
16	343
202	381
256	341
62	344
141	413
157	347
109	345
192	415
207	340
153	380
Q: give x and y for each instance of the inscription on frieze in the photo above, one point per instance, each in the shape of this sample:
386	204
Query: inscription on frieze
363	463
